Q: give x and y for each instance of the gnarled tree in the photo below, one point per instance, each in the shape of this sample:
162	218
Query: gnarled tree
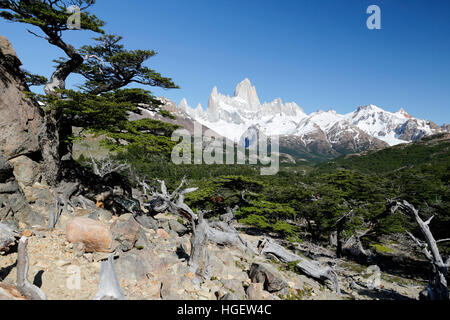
203	232
102	105
50	17
437	288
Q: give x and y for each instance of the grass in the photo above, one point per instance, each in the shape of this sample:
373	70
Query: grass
381	248
299	294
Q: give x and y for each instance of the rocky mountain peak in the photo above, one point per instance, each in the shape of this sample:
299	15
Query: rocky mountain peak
247	92
367	127
405	114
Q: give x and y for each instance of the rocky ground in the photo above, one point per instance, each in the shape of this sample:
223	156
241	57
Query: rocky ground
151	264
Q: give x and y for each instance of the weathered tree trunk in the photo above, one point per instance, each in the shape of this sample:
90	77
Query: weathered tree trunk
8	238
202	232
309	267
199	259
62	200
353	247
53	136
437	286
49	143
26	288
109	285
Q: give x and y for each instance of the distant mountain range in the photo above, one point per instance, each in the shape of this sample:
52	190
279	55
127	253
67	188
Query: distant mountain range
322	134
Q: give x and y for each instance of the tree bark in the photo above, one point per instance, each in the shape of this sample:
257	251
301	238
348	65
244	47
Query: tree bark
202	232
26	288
109	285
55	133
309	267
199	259
8	238
437	286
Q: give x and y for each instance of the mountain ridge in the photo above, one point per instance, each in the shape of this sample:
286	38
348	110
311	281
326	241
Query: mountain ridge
321	133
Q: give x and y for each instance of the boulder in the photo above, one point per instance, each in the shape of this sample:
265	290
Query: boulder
26	171
6	47
6	170
8	238
271	278
163	234
100	215
95	236
142	241
177	227
20	117
234	289
13	204
130	266
126	233
255	291
147	222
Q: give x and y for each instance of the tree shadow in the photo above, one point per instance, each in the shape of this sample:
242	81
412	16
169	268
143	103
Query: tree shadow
38	279
181	253
384	294
4	272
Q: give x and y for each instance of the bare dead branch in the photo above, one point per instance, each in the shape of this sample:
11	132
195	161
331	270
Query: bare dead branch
26	288
109	285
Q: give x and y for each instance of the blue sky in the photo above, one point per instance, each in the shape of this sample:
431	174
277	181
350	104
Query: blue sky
318	53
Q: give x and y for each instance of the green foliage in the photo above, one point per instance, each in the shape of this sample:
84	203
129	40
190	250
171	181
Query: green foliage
34	79
381	248
110	66
167	114
299	294
51	16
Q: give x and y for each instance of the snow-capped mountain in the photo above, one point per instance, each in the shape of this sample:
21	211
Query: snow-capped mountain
325	133
232	116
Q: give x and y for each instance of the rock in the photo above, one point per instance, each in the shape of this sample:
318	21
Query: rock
26	171
62	263
190	275
40	194
93	234
6	170
100	215
63	220
177	227
20	117
154	288
131	266
172	234
268	275
22	211
27	233
126	232
162	234
170	289
13	204
147	222
234	288
142	241
6	48
255	291
164	224
8	238
125	217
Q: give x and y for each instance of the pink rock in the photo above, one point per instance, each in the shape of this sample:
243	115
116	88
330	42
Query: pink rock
93	234
163	234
